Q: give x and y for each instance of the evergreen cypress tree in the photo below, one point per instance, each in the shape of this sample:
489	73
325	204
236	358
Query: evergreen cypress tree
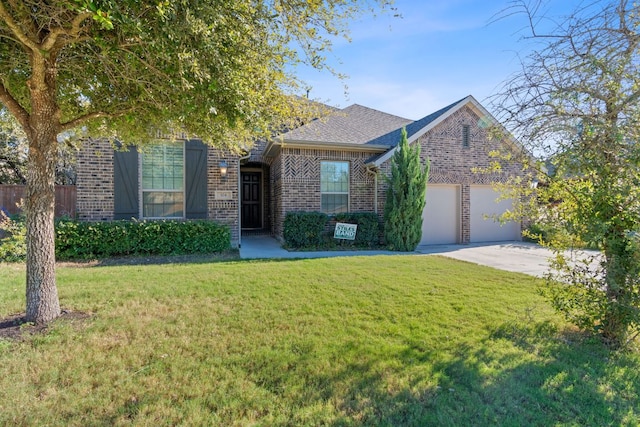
405	197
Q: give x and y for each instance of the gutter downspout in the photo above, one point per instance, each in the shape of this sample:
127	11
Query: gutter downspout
240	159
373	170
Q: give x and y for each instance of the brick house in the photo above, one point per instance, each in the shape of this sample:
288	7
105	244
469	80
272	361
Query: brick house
332	164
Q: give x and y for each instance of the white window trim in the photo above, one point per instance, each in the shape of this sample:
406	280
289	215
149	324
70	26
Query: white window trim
348	192
141	190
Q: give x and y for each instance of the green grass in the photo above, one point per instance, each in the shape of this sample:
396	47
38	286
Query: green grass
402	340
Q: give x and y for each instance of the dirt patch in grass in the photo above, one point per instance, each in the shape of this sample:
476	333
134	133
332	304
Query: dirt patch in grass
15	327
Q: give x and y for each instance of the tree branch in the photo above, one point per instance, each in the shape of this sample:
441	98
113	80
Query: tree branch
631	99
14	167
23	15
15	29
144	62
50	41
80	119
14	107
73	123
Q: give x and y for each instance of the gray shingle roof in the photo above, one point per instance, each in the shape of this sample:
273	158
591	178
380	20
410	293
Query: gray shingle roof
361	125
352	125
392	138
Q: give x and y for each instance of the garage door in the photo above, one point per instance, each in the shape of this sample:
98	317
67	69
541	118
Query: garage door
441	215
483	229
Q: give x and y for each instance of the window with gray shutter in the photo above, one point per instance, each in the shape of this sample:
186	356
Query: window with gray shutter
196	179
163	172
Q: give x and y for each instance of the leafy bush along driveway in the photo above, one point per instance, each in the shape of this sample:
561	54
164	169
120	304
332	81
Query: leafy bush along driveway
342	341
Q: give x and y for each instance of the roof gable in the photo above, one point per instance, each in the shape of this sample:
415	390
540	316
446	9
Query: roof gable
418	128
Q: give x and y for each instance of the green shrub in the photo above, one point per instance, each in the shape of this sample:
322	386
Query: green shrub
546	233
304	229
405	197
368	233
87	240
536	233
13	242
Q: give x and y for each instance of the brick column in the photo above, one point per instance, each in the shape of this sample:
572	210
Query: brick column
465	196
94	182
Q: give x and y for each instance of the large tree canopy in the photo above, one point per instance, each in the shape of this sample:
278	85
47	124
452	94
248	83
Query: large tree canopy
576	103
131	69
207	66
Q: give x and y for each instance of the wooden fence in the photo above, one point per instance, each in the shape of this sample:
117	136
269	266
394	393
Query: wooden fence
10	196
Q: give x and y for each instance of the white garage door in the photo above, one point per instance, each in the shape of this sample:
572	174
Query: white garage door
483	229
441	215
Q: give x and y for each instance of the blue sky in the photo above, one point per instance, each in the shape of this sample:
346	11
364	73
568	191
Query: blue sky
437	53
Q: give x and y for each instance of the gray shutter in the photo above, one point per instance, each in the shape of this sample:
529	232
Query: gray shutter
195	179
125	184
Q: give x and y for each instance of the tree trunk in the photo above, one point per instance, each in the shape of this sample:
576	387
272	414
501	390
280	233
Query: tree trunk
42	295
616	322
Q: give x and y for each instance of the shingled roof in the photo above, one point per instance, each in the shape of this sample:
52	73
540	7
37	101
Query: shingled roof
355	124
392	138
367	129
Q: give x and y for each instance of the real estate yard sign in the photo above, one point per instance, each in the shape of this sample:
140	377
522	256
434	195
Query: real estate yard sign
345	231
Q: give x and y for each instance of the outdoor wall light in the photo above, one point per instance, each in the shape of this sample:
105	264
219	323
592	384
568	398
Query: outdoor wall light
223	168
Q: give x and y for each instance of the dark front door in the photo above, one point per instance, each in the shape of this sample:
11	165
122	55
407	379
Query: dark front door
251	200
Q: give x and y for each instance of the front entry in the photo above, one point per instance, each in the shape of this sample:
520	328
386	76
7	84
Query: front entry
251	200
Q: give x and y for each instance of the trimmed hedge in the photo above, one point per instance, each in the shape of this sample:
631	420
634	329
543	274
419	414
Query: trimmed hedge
304	229
88	240
368	232
13	242
311	230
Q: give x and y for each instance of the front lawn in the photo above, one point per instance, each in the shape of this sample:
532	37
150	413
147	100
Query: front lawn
386	340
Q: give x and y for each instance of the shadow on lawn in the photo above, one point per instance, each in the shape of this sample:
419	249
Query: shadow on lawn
568	380
230	255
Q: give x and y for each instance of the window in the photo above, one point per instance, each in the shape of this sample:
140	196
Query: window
163	181
465	136
334	187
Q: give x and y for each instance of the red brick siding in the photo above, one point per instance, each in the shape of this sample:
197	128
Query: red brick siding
277	213
95	185
266	197
95	181
223	211
296	181
451	163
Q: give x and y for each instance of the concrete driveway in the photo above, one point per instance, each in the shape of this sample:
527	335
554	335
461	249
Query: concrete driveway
520	257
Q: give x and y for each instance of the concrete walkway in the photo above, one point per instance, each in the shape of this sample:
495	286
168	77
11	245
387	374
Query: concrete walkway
261	247
520	257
